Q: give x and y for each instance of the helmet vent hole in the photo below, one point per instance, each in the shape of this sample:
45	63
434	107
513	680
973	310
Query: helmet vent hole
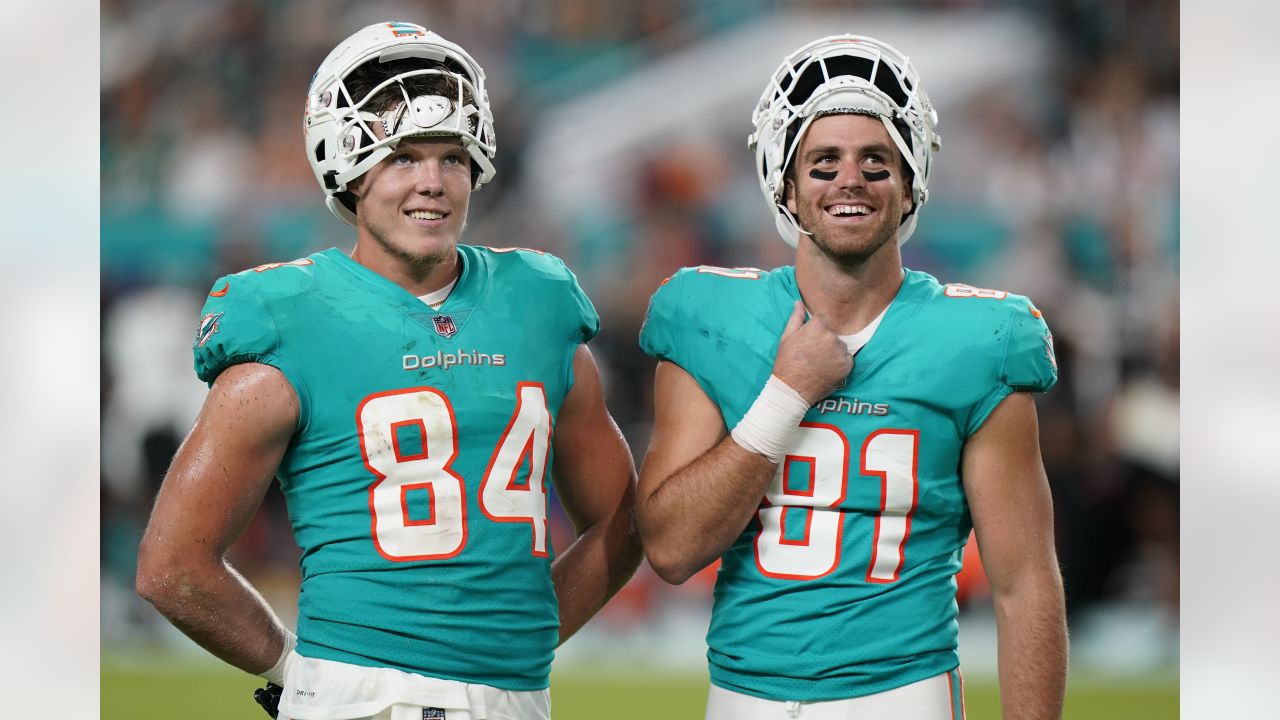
813	76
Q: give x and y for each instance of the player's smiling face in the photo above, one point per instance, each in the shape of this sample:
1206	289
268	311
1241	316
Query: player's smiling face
413	204
847	187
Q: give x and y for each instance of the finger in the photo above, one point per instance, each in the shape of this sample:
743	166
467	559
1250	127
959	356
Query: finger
796	320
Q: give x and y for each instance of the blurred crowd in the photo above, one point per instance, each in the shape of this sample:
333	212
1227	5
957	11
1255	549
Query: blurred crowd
1066	191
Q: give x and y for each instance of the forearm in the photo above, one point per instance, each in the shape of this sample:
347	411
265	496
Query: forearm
1032	628
594	568
697	513
218	609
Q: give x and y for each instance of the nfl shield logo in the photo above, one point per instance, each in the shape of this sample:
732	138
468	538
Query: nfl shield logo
433	714
444	326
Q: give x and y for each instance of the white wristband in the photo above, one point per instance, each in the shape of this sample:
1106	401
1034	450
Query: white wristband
275	673
767	427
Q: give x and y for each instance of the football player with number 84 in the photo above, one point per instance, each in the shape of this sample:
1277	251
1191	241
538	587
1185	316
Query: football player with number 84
412	396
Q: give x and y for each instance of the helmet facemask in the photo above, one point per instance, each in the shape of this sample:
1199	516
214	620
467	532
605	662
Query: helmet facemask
422	86
842	74
368	134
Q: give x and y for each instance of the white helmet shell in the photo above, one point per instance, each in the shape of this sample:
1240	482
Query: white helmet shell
842	74
341	145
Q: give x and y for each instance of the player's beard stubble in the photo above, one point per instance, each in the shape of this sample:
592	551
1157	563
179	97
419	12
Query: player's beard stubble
849	247
422	261
844	244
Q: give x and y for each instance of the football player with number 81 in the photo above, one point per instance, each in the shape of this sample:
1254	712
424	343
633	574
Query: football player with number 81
412	397
834	430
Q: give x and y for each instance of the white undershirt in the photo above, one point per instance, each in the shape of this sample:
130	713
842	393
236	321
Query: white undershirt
856	341
436	298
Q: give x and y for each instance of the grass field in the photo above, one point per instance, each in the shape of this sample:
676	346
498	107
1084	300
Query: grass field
135	692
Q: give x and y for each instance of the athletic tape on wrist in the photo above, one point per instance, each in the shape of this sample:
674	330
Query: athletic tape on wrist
275	673
767	427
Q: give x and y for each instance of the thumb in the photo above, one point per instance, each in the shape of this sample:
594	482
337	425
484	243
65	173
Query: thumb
796	321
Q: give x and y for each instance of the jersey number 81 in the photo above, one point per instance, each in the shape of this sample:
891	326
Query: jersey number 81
823	450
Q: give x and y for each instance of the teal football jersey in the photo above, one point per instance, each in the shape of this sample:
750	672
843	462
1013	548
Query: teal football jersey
416	479
844	583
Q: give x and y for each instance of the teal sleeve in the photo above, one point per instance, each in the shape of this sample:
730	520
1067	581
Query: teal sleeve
660	333
722	331
588	320
551	276
236	326
1029	362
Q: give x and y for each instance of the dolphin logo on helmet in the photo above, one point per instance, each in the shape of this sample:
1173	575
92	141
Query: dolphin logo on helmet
340	141
842	74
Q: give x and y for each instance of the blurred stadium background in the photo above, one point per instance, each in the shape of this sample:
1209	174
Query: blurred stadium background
621	133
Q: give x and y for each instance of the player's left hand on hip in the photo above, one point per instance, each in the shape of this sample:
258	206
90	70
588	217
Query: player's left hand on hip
269	698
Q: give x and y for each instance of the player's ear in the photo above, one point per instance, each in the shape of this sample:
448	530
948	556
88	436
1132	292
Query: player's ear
908	179
789	195
356	187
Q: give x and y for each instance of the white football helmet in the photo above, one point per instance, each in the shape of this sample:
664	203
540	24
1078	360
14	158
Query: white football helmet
341	144
842	74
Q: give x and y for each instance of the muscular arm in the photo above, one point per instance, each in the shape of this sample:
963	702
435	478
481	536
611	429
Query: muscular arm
211	492
595	480
1012	510
698	488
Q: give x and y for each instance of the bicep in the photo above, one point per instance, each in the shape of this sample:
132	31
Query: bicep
593	468
1008	493
686	426
224	466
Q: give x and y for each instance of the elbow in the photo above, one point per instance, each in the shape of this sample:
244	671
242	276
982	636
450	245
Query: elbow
160	580
668	551
672	567
1040	589
673	575
149	581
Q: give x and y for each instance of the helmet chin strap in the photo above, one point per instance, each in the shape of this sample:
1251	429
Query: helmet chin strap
789	227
